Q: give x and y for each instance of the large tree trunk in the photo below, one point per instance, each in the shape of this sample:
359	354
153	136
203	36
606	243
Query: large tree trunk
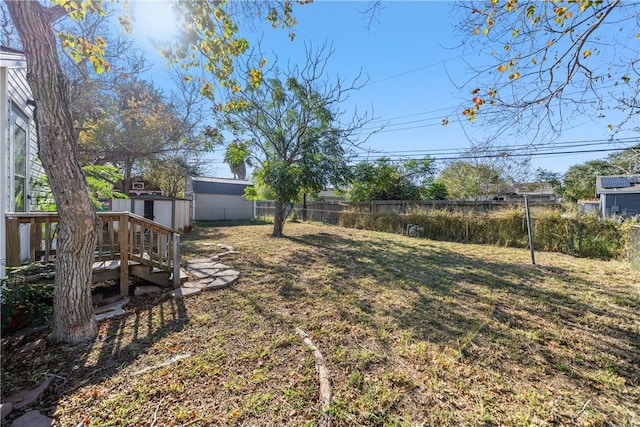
278	218
74	320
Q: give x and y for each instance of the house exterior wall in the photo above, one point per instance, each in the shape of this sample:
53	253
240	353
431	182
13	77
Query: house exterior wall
628	204
15	111
216	207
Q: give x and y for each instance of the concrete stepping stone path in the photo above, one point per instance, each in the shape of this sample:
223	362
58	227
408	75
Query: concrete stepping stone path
208	274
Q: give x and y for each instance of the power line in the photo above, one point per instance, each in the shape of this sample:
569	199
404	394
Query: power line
415	70
502	148
507	155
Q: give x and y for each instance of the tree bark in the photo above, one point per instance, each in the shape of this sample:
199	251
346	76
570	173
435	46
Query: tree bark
74	320
278	219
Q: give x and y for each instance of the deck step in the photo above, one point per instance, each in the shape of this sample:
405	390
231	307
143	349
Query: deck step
156	276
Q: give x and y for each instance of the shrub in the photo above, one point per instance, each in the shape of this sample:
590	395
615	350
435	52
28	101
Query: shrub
27	304
586	236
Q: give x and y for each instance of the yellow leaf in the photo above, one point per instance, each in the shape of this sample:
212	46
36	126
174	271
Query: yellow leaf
586	53
502	68
514	76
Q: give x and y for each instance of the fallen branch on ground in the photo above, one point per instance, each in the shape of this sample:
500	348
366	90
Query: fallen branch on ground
323	374
161	365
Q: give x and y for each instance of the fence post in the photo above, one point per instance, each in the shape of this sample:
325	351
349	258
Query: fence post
466	229
529	229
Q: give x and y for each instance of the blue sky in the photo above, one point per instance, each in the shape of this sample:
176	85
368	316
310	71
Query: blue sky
412	59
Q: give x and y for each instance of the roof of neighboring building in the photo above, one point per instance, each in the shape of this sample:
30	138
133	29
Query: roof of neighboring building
220	180
12	58
618	184
206	185
152	197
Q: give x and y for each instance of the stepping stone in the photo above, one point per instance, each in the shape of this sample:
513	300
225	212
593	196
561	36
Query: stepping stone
146	289
185	292
227	247
32	419
109	314
209	271
222	254
220	266
5	409
113	306
221	283
183	276
198	265
200	284
27	397
228	273
199	274
198	260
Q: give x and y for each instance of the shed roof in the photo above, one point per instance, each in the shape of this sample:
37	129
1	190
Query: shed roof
206	185
618	184
221	180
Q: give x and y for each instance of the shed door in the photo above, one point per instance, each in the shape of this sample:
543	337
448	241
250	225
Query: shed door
148	209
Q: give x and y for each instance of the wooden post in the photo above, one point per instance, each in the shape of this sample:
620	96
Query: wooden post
176	260
47	239
529	230
123	237
35	239
13	242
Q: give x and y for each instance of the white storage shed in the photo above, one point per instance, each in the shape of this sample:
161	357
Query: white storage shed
168	211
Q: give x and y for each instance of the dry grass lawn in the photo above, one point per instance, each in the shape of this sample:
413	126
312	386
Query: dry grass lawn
414	332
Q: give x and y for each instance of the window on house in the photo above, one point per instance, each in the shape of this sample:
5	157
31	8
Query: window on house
20	166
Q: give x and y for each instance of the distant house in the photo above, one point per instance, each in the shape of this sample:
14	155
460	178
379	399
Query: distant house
536	192
619	195
330	194
19	163
588	206
216	199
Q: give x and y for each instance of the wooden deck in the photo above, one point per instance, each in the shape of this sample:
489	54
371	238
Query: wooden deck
150	250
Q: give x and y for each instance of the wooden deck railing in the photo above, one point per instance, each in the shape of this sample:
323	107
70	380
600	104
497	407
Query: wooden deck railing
124	237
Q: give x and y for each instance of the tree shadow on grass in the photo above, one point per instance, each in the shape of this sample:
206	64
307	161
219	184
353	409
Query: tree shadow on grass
525	313
120	343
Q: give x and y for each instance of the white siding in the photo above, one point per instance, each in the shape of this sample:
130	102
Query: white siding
19	93
14	96
182	215
179	219
162	212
